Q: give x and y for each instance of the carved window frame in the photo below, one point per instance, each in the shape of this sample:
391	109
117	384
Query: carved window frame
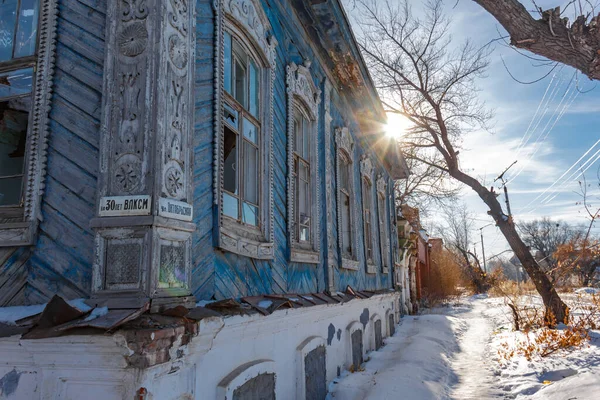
345	150
20	229
384	227
305	96
367	173
246	20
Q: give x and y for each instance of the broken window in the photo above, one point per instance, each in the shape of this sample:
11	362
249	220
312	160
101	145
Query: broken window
241	138
18	39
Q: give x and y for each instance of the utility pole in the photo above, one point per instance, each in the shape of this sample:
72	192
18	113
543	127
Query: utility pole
501	177
483	252
482	247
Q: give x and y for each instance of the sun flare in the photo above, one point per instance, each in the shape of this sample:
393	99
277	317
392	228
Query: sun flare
397	125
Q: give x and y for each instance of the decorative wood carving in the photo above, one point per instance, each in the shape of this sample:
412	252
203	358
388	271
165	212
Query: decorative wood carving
301	88
147	125
381	184
385	230
366	168
37	137
330	198
247	17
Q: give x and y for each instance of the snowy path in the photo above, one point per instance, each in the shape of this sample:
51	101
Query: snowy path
430	357
451	355
471	363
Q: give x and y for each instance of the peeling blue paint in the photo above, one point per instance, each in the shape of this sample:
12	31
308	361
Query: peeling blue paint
364	317
9	383
330	334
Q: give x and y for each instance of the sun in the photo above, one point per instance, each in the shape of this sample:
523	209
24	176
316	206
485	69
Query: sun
397	125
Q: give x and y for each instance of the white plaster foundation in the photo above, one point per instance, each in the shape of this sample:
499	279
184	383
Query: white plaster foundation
226	353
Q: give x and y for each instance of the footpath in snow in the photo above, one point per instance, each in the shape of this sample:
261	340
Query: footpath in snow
452	354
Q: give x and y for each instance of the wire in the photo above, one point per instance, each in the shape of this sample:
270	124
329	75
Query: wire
564	173
541	137
567	105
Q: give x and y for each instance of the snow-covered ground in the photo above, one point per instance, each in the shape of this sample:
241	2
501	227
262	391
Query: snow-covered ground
452	353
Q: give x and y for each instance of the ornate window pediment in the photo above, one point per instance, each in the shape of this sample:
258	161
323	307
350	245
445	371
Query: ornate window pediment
26	103
346	209
243	180
303	164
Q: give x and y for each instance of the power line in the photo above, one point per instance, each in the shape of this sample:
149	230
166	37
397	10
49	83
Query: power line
556	118
564	173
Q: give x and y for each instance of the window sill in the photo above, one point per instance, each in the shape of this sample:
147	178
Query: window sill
232	241
304	256
371	268
350	264
16	234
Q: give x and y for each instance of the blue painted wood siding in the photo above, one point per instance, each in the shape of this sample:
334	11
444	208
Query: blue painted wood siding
227	275
61	260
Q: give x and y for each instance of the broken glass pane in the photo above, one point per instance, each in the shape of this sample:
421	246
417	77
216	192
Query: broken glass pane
250	131
230	179
13	135
8	23
27	31
15	83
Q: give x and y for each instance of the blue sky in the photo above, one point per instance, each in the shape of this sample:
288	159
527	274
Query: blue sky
556	123
545	126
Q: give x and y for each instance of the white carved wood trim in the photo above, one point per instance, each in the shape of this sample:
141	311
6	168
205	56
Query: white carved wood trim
247	18
146	146
37	136
345	148
350	264
330	198
302	92
366	168
385	230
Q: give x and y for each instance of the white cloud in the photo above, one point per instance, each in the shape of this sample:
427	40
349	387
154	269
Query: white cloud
487	155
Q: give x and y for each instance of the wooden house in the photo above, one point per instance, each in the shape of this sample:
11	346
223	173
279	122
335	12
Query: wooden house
162	153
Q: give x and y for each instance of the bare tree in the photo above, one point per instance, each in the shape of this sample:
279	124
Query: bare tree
552	35
457	234
426	187
546	236
423	79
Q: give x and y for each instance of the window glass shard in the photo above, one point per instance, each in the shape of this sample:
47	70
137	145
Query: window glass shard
230	175
8	23
27	32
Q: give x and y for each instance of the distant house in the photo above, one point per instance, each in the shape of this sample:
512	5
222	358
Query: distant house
416	248
212	178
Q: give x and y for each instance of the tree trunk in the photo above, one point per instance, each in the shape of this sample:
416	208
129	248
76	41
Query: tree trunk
555	307
577	45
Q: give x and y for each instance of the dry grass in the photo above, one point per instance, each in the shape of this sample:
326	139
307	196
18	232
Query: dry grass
538	340
445	280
